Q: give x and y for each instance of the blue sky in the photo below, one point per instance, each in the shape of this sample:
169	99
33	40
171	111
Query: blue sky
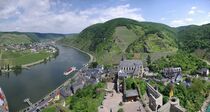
72	16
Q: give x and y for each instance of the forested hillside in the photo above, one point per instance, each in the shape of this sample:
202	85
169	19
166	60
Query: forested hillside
196	40
112	40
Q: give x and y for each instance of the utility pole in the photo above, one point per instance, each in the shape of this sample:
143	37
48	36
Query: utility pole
1	62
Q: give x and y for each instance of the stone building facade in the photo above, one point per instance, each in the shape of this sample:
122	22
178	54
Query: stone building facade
172	106
131	67
155	98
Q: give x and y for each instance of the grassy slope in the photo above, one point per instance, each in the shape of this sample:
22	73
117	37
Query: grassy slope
14	39
25	37
21	58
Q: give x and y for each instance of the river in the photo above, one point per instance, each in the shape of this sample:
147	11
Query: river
40	79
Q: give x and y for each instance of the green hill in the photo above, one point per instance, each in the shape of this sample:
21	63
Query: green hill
196	40
10	38
23	37
119	37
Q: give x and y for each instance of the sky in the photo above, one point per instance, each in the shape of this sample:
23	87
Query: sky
72	16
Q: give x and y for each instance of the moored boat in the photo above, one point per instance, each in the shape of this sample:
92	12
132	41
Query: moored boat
69	70
3	102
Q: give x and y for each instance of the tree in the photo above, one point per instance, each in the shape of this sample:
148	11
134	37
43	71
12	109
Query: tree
149	60
94	64
133	85
45	61
17	69
120	110
8	68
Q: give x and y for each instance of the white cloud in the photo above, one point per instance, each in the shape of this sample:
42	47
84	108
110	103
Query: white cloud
105	14
189	19
177	23
191	12
181	22
202	17
39	17
163	18
195	10
6	13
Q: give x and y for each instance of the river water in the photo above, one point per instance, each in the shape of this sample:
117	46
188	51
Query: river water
208	108
40	79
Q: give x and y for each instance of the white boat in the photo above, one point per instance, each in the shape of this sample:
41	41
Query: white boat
69	70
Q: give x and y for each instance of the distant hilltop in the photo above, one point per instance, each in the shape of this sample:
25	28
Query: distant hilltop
26	37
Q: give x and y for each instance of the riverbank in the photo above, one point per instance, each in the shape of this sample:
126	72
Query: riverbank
26	66
37	62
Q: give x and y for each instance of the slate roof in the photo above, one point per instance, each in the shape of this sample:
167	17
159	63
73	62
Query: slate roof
122	74
65	92
203	70
128	63
131	93
172	70
178	77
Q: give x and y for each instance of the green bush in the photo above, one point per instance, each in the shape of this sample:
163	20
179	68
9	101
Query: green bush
120	110
87	99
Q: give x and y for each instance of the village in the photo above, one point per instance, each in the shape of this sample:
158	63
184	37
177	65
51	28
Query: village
121	95
16	56
34	47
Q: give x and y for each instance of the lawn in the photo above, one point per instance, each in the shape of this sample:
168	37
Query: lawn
50	109
23	57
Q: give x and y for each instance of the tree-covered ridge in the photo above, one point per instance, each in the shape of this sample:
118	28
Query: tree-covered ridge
194	37
26	37
111	40
103	33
